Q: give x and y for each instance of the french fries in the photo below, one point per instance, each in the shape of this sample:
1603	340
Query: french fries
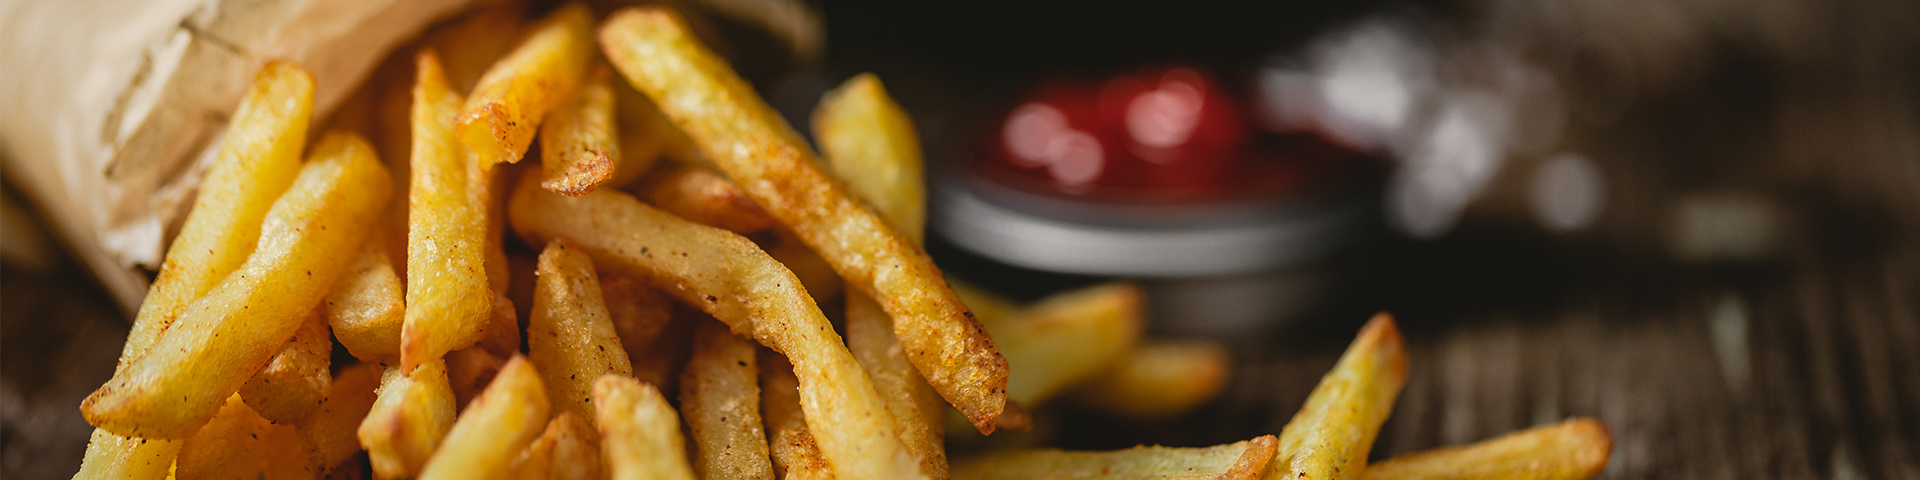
578	141
1067	338
870	145
508	103
330	433
409	417
1159	380
731	279
1330	436
571	337
720	400
470	46
653	48
795	454
704	197
640	435
639	312
493	429
1241	461
367	306
236	328
296	380
645	134
448	298
237	443
258	160
1570	450
569	449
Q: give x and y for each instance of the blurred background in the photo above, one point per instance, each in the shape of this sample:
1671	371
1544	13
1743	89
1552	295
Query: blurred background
1694	219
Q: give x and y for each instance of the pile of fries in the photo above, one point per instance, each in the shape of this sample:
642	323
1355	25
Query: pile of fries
643	320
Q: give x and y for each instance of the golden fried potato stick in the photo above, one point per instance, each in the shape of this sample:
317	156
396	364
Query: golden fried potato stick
917	409
571	337
1331	434
640	435
258	160
747	140
330	433
238	443
508	103
869	143
795	454
578	141
502	332
1241	460
1575	449
720	401
469	370
870	146
233	331
367	306
493	429
704	197
569	449
448	298
730	278
471	45
1068	338
412	413
1160	380
297	379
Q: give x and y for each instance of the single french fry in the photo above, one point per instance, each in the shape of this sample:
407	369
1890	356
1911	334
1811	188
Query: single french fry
795	454
640	434
732	279
1068	338
569	449
469	370
916	408
1241	460
870	145
720	401
653	48
1575	449
704	197
470	45
409	417
502	333
367	306
493	429
448	299
509	101
238	443
258	160
330	434
238	326
578	141
1331	434
297	379
1159	380
571	337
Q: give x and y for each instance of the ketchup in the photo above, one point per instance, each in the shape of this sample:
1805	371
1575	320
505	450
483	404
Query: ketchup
1159	135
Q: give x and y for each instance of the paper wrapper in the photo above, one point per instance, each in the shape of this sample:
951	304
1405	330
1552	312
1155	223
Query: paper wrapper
114	107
